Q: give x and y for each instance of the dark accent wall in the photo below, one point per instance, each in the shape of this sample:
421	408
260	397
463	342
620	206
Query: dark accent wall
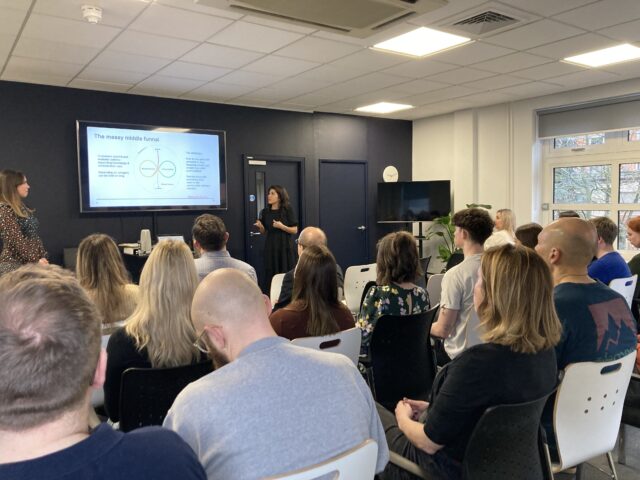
37	136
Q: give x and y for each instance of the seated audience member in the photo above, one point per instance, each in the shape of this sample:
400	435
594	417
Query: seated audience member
596	321
315	309
398	267
609	264
513	298
505	225
210	239
308	237
568	214
633	237
50	360
159	333
527	234
457	321
273	407
101	272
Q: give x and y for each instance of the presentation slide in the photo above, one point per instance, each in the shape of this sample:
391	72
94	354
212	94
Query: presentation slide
129	167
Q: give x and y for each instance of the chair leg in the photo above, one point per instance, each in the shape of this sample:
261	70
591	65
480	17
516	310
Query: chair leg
622	445
612	466
579	470
547	461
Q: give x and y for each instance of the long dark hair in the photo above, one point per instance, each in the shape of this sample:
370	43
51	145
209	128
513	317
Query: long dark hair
283	196
10	180
397	259
315	287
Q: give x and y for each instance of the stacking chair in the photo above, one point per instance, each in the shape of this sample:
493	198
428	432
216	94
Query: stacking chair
434	287
401	362
346	342
504	445
625	287
355	279
146	394
276	286
630	416
587	411
97	394
357	463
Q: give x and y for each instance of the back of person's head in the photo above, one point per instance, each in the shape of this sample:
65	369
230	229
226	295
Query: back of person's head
49	346
397	260
516	306
476	221
574	238
210	232
508	219
634	224
101	271
161	322
527	234
568	214
606	228
315	287
312	236
9	182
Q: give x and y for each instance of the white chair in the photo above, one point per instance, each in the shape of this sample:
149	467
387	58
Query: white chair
588	409
346	342
97	394
276	286
357	463
625	287
434	287
355	279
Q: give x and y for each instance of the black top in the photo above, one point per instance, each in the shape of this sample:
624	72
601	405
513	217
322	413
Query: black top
483	376
278	249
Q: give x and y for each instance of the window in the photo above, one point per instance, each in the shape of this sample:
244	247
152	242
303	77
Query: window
579	141
633	135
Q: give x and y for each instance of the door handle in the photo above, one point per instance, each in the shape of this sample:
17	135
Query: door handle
361	228
254	234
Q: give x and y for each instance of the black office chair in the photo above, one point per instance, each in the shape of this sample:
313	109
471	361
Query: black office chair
454	260
365	290
630	416
424	265
146	394
504	445
401	361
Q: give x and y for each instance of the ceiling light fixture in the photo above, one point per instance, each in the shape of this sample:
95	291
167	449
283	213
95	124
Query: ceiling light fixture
606	56
91	13
384	107
421	42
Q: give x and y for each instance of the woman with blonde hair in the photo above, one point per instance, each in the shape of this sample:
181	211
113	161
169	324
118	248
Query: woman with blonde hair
514	300
101	272
159	333
505	229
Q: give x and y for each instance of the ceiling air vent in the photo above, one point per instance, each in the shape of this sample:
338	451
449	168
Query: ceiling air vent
356	18
484	22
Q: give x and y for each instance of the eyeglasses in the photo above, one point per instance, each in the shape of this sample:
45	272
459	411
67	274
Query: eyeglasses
199	343
298	242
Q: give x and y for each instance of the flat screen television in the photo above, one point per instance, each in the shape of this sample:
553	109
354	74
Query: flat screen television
123	167
413	201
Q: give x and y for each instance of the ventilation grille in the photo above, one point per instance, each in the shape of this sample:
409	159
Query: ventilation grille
485	22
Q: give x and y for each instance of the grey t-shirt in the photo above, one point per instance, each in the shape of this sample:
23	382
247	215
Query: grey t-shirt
276	408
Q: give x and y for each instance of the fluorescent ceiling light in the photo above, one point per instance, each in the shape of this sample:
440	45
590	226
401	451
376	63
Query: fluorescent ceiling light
421	41
606	56
383	107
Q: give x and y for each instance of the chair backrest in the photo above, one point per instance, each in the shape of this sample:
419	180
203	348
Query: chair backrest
588	408
454	260
276	286
422	280
346	342
97	395
355	279
402	360
504	444
434	287
146	394
625	287
357	463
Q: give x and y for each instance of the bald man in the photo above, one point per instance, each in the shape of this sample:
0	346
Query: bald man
309	236
597	322
270	407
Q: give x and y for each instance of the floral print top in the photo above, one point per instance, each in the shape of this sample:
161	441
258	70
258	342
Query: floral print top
19	240
389	300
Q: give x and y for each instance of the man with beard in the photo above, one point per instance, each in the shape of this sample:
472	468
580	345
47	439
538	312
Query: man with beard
269	407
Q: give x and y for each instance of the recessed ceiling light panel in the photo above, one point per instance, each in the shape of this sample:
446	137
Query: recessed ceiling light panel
421	42
606	56
384	107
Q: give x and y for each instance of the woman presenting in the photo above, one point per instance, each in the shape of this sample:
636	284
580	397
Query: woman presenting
18	226
279	225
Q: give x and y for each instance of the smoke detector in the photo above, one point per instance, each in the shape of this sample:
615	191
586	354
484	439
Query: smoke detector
91	13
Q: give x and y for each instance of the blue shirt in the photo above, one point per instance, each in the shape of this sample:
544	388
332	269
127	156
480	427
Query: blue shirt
609	267
210	261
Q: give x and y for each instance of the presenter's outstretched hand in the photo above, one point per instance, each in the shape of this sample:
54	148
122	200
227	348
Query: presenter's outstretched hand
259	225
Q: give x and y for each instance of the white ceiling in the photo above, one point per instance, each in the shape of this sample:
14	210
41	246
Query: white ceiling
179	49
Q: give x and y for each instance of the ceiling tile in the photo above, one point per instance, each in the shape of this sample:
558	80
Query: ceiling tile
109	75
21	65
297	86
585	78
291	107
116	13
534	34
151	45
311	99
194	71
626	69
625	32
275	65
361	42
196	7
290	26
372	81
439	95
532	89
129	62
219	56
487	98
602	14
44	27
160	85
331	74
369	60
573	46
511	63
16	4
420	68
318	50
250	79
12	75
11	21
175	22
548	70
460	75
496	82
48	50
218	91
419	86
548	7
250	36
104	86
471	53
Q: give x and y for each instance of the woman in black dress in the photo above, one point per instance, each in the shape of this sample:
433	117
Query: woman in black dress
278	223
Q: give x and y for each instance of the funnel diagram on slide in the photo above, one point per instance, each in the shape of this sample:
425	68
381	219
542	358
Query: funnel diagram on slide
157	169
